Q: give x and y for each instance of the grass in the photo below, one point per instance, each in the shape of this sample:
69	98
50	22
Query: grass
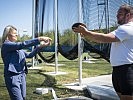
38	78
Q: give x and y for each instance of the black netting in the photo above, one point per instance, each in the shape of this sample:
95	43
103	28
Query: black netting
49	59
99	16
43	18
103	51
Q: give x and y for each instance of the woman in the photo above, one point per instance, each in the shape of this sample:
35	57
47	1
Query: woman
14	59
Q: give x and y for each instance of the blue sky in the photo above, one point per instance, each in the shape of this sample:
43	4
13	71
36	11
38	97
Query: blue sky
17	13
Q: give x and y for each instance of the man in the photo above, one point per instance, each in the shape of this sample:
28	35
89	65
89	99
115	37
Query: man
121	54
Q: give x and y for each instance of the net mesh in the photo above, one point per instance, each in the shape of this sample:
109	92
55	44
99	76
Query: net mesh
98	15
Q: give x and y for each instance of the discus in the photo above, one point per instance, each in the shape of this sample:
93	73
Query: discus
77	24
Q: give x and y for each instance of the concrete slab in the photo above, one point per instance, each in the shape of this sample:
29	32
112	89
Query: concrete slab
99	80
75	86
55	73
75	98
100	87
88	61
101	92
35	67
93	59
52	64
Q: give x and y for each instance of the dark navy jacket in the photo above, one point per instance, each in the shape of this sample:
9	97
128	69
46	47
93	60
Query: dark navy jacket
14	57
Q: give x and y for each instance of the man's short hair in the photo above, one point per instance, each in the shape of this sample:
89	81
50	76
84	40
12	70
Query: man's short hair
127	8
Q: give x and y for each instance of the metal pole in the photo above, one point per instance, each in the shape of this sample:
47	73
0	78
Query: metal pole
80	45
56	42
33	26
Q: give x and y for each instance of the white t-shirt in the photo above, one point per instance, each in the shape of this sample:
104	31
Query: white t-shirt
122	52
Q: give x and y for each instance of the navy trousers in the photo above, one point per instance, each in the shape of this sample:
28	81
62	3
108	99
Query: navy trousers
16	86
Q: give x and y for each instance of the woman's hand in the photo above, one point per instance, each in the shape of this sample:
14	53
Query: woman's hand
44	38
44	41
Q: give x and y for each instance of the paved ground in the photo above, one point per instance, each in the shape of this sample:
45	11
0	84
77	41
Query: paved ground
99	80
100	87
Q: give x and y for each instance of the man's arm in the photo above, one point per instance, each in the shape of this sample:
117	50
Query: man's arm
94	36
100	37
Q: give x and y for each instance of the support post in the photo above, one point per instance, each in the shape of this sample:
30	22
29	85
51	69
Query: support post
56	42
80	45
33	27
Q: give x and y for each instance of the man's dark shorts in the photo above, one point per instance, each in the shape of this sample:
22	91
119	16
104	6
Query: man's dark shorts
122	78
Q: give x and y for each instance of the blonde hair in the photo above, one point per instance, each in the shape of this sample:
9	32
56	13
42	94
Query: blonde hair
6	31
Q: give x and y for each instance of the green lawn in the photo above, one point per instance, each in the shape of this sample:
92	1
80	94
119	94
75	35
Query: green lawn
38	78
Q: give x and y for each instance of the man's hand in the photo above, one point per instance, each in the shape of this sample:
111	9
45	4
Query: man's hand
80	29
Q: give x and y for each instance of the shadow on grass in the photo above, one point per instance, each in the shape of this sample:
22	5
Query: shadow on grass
61	91
49	81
